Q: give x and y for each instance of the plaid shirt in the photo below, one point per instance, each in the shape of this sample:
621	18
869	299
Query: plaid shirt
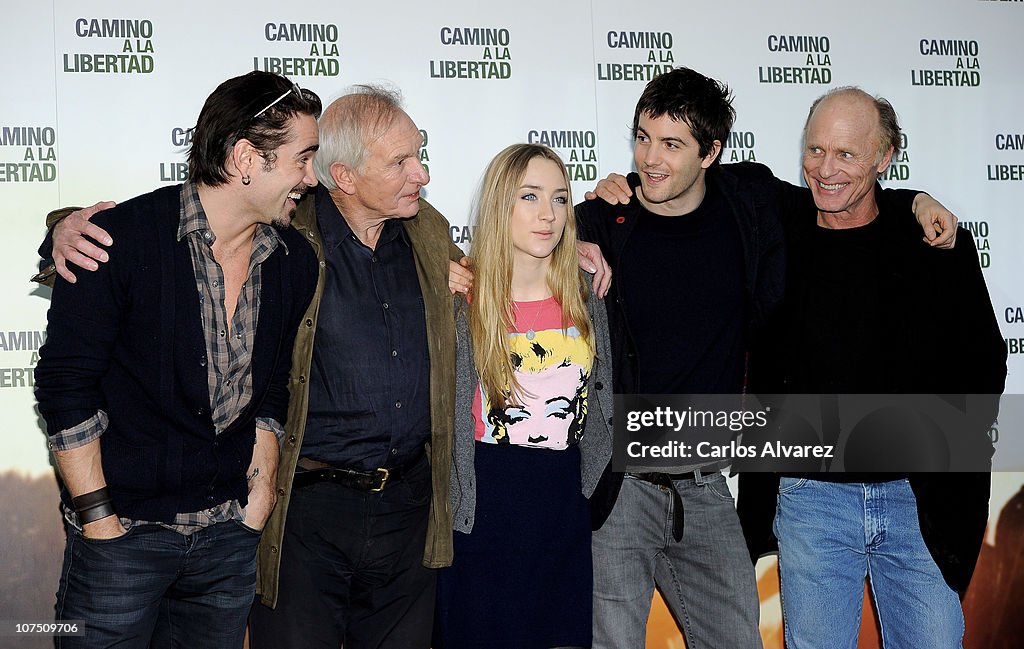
228	348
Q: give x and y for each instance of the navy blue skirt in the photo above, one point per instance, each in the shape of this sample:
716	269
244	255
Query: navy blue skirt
523	578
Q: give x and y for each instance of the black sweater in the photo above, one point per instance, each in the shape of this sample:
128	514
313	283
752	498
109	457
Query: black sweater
127	339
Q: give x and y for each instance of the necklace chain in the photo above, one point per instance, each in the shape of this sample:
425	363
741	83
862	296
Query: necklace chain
530	332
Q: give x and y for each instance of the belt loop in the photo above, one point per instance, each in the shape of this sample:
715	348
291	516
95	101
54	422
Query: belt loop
698	479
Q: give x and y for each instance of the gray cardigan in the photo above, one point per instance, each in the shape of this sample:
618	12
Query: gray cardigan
595	446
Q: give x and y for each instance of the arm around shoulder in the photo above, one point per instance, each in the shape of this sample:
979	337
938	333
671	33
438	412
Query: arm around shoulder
72	237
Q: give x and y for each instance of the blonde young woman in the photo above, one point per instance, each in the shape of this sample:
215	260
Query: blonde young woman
532	423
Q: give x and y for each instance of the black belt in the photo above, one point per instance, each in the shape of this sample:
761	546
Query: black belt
666	481
374	480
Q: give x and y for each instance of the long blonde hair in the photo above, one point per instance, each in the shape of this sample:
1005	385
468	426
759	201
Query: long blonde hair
491	311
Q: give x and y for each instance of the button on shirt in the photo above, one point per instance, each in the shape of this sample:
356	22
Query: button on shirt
369	392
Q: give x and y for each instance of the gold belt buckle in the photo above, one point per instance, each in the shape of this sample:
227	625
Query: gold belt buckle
384	473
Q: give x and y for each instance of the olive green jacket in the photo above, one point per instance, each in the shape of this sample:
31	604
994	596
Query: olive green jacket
432	247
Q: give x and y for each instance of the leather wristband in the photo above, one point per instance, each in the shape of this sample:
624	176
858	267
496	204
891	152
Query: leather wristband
96	512
93	505
91	499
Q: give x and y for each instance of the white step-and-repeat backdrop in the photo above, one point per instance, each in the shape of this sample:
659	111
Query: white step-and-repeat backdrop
98	98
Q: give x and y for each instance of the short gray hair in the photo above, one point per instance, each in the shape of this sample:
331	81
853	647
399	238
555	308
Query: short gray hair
363	114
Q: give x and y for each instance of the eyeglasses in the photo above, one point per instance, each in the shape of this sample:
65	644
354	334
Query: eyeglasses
295	88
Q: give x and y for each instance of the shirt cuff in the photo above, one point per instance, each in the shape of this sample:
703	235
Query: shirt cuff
271	424
81	434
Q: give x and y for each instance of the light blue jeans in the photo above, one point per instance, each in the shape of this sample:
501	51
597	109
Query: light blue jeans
707	579
832	535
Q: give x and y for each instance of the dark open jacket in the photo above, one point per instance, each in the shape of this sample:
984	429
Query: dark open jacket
925	290
751	191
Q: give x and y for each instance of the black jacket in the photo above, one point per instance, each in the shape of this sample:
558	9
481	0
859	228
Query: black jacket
924	290
753	196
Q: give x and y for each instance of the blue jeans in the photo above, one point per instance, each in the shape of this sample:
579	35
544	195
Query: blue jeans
707	579
154	587
832	535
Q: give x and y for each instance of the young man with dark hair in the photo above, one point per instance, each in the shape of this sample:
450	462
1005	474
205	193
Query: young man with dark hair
713	235
163	381
684	95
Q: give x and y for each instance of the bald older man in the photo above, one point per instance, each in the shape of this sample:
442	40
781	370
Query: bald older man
852	322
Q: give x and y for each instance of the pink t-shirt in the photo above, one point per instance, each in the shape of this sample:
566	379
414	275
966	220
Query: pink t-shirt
552	366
